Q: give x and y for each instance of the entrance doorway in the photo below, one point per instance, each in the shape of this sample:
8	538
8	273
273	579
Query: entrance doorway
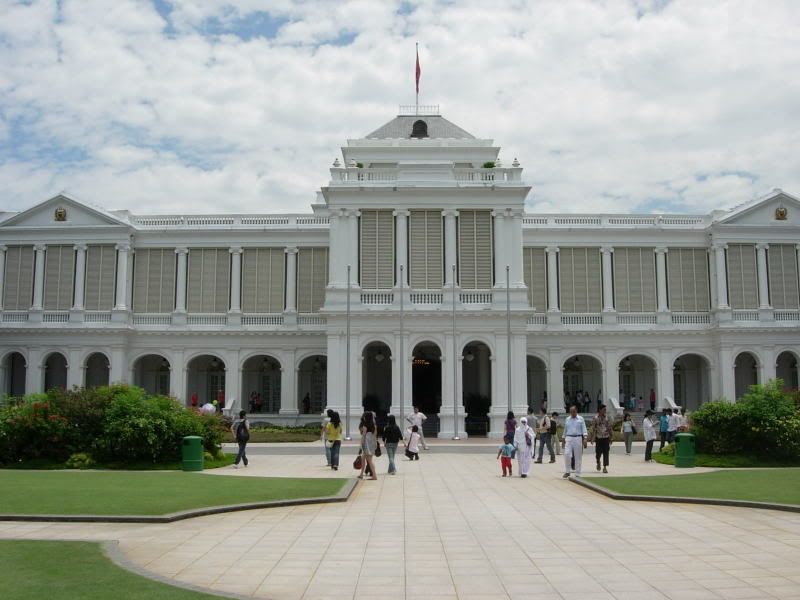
476	385
205	380
55	372
376	380
14	370
426	385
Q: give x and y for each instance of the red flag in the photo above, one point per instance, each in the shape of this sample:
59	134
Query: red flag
419	70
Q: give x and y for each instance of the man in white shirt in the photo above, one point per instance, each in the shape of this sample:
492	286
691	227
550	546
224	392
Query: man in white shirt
417	418
674	421
208	409
574	441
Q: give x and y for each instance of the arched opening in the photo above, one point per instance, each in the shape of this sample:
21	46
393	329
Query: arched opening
312	384
691	381
205	380
426	385
55	371
97	370
151	372
476	386
786	369
583	382
537	383
14	371
637	381
419	129
376	380
261	384
745	373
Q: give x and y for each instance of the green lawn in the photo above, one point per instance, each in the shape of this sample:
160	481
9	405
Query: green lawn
727	461
45	570
761	485
143	492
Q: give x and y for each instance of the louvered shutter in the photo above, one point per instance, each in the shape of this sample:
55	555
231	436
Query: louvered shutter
312	279
101	262
425	249
687	276
377	249
475	249
783	282
208	280
59	271
700	278
263	280
634	279
534	264
18	278
154	280
742	279
580	275
566	280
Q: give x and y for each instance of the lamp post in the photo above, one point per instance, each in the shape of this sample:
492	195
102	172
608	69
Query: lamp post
455	363
402	347
508	333
347	369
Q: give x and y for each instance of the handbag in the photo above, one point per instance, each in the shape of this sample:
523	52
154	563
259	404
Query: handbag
378	448
358	463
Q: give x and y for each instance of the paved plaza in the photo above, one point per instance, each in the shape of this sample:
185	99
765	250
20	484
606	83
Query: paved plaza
448	526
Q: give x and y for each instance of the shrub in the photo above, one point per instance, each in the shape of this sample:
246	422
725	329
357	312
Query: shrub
32	430
79	460
489	164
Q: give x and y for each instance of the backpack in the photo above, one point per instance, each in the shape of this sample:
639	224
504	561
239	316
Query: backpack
242	435
553	426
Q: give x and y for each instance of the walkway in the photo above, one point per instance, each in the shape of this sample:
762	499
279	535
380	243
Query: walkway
448	526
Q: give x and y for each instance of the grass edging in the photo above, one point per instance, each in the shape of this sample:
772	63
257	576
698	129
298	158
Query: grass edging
342	496
686	500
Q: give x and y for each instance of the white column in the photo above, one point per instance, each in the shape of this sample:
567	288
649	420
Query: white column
180	280
80	276
727	374
722	280
769	368
501	244
38	280
2	272
517	277
552	279
337	263
117	365
291	279
661	279
450	248
122	276
555	382
236	280
712	276
401	250
608	285
665	383
763	286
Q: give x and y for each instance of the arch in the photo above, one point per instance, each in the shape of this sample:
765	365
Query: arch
786	369
152	373
476	386
243	358
477	339
691	380
15	371
589	353
536	376
205	380
262	378
426	383
97	369
419	129
746	368
15	350
582	377
312	384
376	378
55	368
378	340
638	380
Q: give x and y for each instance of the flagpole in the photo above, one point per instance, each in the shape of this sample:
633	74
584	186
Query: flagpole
416	106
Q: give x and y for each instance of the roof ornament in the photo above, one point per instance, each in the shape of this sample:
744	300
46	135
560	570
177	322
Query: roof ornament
352	163
497	163
515	163
336	163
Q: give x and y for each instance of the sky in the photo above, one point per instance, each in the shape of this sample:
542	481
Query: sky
173	106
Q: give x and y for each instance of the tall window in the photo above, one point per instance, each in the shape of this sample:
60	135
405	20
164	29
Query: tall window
687	277
101	263
742	278
263	273
425	249
475	249
154	280
580	280
377	249
783	284
59	268
208	280
534	262
312	278
634	279
18	278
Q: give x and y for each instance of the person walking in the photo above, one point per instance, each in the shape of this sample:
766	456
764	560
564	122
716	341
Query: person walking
574	441
240	428
391	438
663	426
333	438
417	418
324	435
649	435
628	431
368	444
525	445
543	432
652	399
505	454
554	432
412	446
601	436
510	424
673	421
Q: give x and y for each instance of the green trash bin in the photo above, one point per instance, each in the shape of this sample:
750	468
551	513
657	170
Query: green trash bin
684	450
192	453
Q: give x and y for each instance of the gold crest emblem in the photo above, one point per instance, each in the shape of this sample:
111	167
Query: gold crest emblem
61	214
781	213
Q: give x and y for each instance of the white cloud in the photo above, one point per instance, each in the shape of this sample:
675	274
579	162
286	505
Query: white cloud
614	106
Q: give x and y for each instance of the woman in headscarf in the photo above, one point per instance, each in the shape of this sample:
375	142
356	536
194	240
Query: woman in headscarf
524	442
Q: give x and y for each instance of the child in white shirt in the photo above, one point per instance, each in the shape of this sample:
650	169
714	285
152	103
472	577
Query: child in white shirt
412	446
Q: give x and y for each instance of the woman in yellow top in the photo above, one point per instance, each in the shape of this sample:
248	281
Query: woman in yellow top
333	438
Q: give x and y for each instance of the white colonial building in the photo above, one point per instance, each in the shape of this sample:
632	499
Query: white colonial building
428	226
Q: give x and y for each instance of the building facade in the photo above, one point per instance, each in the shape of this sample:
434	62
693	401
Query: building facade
459	301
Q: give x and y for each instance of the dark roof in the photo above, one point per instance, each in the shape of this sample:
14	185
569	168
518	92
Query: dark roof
438	127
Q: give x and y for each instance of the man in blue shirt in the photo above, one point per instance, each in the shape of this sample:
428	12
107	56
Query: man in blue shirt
663	426
574	441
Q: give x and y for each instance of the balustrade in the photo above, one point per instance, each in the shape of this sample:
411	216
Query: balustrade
377	297
262	319
97	316
476	297
582	319
699	318
426	297
787	315
55	316
745	315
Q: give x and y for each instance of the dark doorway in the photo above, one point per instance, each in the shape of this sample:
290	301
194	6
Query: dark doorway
426	384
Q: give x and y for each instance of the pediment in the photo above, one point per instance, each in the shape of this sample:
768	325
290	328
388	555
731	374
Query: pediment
63	211
779	208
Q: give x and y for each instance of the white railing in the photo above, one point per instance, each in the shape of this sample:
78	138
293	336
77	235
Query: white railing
636	319
265	220
159	221
411	110
577	220
699	318
682	220
537	319
97	316
745	315
426	297
313	220
55	316
262	319
479	175
356	175
476	297
310	320
217	221
207	221
534	220
633	221
15	316
206	319
787	315
578	319
377	297
152	319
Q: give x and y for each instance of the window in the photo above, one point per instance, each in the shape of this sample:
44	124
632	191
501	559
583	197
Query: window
59	268
580	280
783	284
263	274
208	280
742	278
475	249
18	279
154	280
534	262
634	279
425	249
312	278
419	129
101	262
687	280
377	249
